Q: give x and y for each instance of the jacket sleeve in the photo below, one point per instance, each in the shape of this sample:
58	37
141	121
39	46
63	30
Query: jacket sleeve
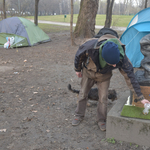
79	59
128	73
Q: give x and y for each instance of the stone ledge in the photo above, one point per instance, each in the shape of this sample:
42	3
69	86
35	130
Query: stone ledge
127	129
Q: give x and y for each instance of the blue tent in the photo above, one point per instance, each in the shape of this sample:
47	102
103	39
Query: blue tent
138	27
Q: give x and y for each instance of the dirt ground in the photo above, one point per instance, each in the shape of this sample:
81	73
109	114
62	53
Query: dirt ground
36	108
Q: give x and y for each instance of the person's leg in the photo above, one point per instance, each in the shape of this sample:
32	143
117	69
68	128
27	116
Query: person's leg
86	84
102	103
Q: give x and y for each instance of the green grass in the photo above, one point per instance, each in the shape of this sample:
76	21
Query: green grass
55	18
121	20
134	112
117	20
48	28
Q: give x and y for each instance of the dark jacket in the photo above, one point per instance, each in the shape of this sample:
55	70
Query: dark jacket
87	56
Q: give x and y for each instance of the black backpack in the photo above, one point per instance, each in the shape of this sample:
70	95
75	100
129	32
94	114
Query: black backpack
104	31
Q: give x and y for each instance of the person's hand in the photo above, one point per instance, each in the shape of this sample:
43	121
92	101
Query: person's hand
145	101
79	74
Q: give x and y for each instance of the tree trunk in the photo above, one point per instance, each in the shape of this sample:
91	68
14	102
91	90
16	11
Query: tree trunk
36	12
85	26
71	25
109	13
145	3
19	7
99	7
4	11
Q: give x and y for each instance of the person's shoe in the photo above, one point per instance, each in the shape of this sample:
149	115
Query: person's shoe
76	120
102	126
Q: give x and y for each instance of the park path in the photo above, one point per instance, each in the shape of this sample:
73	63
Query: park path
68	24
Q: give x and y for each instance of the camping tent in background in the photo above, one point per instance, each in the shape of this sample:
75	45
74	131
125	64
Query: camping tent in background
24	31
138	27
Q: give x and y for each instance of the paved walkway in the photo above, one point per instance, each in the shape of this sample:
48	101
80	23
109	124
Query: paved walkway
68	24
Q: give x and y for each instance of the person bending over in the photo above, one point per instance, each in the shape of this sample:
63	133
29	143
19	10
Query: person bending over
94	62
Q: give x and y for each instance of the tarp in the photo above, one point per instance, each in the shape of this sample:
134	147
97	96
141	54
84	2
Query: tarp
138	27
22	28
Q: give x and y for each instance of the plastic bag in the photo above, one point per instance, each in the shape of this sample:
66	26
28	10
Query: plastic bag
10	41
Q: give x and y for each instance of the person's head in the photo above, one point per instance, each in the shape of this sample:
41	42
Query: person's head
111	53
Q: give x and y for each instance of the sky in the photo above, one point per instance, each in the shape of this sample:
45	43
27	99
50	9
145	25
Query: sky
117	1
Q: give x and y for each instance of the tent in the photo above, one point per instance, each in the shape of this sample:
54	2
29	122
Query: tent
138	27
24	32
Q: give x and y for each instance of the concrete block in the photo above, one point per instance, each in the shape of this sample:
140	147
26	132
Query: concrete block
127	129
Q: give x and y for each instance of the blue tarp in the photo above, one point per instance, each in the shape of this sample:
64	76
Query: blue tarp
138	27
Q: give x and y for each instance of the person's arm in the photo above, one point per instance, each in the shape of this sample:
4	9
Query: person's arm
79	59
128	73
79	74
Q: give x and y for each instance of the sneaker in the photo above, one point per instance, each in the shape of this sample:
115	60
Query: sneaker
76	120
102	126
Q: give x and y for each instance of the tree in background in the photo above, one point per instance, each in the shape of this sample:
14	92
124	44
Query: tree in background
36	12
109	13
4	10
145	3
71	25
76	7
85	26
20	7
52	7
49	7
102	7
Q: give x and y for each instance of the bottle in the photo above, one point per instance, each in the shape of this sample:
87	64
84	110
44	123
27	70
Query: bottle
146	108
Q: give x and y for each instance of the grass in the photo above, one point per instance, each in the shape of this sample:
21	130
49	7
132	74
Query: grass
134	112
48	28
117	20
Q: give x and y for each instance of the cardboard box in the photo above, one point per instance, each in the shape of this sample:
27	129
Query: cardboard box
146	93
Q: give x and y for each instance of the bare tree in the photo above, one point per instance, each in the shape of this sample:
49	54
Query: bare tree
49	7
85	26
109	13
21	7
36	12
71	25
4	11
76	7
145	3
